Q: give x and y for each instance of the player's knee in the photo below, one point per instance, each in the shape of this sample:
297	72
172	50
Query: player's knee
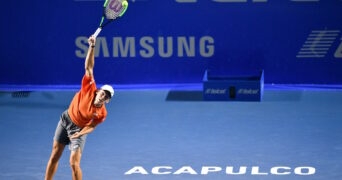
74	165
55	155
75	161
54	158
57	150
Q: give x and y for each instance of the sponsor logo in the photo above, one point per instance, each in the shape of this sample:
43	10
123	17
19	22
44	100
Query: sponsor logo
149	47
228	170
215	91
224	91
318	44
248	91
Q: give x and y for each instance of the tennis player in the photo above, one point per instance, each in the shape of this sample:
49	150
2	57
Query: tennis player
87	110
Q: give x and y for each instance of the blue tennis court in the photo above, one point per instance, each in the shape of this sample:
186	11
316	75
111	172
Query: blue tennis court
188	78
293	133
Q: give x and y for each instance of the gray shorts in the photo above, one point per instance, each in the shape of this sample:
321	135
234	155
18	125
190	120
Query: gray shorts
66	128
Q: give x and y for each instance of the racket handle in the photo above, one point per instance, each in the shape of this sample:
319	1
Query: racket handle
97	32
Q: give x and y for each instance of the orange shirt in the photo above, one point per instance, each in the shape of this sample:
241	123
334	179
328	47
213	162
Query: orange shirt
82	110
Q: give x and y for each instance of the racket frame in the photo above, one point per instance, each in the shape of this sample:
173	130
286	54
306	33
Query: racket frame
99	29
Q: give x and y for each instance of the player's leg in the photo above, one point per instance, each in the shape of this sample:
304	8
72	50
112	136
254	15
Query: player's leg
60	140
75	161
52	165
76	146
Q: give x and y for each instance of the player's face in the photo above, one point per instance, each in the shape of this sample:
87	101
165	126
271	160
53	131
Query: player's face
100	97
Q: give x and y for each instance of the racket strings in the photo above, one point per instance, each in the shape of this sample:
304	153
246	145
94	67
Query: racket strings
113	9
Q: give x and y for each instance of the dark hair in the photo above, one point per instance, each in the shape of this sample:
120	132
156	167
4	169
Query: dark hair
108	94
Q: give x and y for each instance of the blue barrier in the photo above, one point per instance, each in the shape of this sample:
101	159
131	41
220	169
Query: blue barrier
247	86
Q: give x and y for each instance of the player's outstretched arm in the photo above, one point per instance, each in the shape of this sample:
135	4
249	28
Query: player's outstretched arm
90	60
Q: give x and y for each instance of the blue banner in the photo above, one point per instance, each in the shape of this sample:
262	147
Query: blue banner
172	41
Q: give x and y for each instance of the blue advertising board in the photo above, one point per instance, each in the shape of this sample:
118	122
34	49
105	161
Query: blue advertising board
223	87
172	41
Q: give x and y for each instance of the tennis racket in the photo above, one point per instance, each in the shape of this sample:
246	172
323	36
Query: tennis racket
112	9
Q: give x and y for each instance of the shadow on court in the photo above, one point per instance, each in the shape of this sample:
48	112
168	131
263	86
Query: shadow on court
177	95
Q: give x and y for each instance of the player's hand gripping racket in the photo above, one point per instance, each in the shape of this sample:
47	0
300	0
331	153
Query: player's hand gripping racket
112	9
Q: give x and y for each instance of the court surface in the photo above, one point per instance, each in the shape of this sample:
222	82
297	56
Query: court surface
179	133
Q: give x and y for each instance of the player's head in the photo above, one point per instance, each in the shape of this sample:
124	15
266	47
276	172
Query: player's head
108	89
103	95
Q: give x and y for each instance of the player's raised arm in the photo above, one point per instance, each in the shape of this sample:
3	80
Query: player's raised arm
89	61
